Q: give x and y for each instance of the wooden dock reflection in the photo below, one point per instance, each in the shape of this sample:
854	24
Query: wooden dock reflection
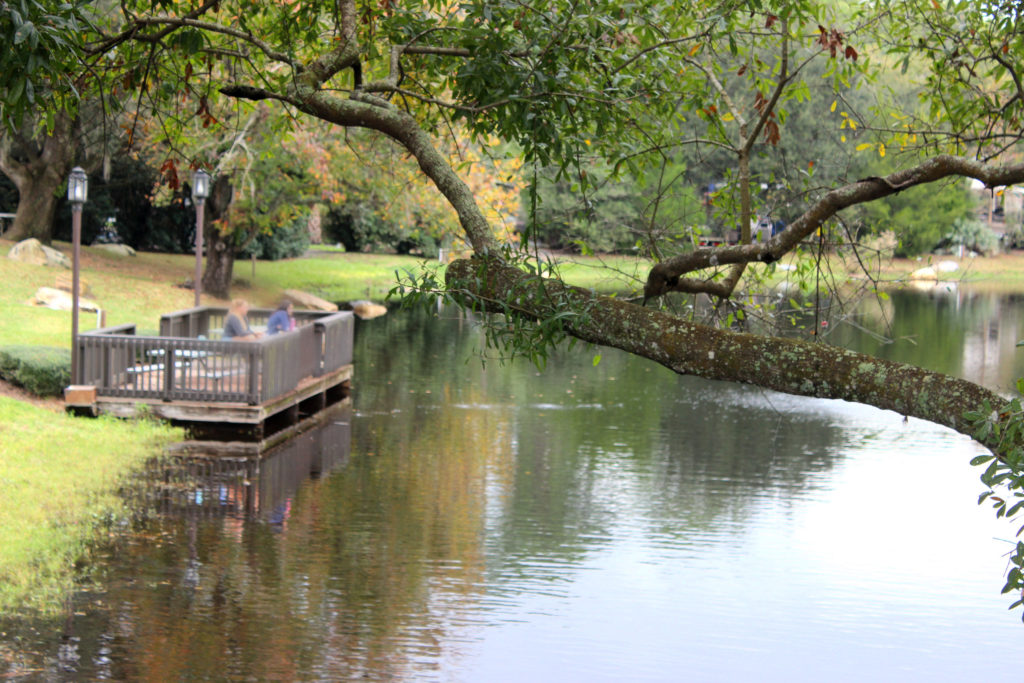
212	478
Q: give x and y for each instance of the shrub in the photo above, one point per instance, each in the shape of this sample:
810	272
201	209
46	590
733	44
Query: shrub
972	234
287	241
920	216
360	228
41	370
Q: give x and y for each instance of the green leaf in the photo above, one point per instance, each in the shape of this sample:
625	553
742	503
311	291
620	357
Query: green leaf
25	31
1013	510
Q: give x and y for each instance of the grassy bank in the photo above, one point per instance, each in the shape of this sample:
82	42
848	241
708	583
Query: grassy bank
58	482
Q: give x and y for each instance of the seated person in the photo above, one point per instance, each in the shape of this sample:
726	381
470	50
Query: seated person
236	324
282	320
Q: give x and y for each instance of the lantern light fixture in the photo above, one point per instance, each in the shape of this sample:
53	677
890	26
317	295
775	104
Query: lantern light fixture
200	185
78	186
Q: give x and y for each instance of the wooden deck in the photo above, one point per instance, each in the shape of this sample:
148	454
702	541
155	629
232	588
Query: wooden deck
247	389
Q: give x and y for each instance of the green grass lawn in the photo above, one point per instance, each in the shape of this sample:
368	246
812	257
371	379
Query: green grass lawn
335	276
140	289
58	477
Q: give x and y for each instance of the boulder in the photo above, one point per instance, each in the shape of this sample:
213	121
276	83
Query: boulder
35	252
308	302
367	310
60	300
122	249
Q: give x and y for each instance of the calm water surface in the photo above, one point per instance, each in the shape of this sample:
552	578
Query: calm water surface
491	523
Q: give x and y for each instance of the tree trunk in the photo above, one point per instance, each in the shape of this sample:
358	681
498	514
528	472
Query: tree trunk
38	168
785	365
37	204
220	241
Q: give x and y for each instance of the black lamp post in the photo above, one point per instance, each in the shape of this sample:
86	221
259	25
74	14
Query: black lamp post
200	191
78	191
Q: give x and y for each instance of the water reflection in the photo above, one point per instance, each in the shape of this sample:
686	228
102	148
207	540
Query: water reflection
235	478
952	329
617	522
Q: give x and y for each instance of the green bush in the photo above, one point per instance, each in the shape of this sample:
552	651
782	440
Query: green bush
612	215
972	234
287	241
41	370
360	228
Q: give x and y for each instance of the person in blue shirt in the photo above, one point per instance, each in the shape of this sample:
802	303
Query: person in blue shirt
282	320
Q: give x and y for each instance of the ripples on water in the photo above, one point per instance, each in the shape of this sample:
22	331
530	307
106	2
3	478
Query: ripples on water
877	568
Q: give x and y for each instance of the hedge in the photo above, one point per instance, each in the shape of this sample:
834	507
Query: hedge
41	370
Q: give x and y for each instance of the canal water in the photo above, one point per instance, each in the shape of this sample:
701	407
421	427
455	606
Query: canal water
464	521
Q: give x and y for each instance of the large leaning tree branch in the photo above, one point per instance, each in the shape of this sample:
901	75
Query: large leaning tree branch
667	276
785	365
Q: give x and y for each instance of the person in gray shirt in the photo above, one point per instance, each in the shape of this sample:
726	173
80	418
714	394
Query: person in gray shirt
236	324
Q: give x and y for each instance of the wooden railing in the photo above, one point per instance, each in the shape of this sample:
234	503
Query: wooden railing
198	368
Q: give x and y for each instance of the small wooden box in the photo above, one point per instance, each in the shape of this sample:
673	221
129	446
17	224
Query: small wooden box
80	395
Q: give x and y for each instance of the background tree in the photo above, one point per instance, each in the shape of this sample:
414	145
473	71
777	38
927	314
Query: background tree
379	198
616	214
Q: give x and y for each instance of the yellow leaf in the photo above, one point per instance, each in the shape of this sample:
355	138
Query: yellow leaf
694	50
881	149
842	138
863	146
728	117
587	142
853	125
833	107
